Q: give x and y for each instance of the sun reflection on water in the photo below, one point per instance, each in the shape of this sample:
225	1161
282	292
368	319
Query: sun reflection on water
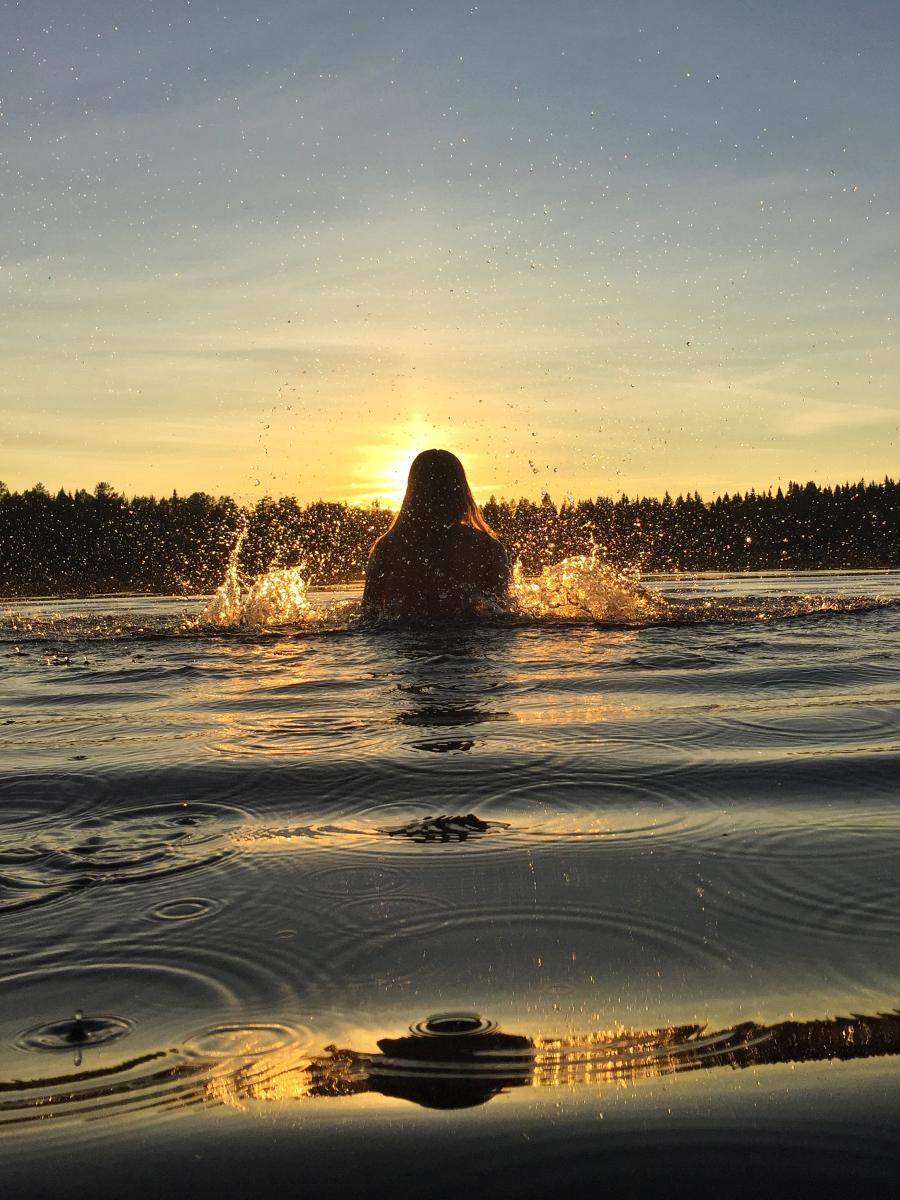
467	1071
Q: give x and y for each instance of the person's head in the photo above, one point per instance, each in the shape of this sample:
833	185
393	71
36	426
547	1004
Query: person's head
438	493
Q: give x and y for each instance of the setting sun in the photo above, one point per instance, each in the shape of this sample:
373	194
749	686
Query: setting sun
382	472
382	476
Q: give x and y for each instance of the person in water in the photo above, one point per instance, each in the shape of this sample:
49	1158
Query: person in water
440	558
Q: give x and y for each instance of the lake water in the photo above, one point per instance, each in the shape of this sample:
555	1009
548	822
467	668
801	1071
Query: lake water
654	945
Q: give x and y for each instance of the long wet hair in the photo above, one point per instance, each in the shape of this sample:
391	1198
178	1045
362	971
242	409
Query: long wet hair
437	497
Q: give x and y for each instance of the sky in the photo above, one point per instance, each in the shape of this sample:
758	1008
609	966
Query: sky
592	247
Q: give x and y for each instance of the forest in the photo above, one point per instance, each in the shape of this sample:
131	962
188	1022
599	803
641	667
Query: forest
82	542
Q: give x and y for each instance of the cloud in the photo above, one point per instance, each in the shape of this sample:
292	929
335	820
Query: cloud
810	418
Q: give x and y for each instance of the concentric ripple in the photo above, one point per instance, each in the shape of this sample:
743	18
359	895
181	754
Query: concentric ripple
354	880
213	1008
124	846
640	929
831	903
453	1025
185	908
364	915
245	1041
78	1032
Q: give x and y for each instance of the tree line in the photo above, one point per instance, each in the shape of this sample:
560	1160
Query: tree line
101	541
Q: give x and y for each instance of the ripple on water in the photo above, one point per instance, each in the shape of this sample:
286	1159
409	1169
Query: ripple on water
243	1060
391	913
22	889
833	898
453	1025
127	845
143	993
631	926
752	836
185	908
31	801
245	1041
419	941
348	926
674	806
165	988
182	1023
811	724
79	1032
353	880
265	738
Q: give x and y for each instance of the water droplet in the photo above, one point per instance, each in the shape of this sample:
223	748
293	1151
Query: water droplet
77	1031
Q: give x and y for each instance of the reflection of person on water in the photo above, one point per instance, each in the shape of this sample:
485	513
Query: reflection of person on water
439	558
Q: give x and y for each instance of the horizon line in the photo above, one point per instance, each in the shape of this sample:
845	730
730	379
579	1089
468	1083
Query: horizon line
567	498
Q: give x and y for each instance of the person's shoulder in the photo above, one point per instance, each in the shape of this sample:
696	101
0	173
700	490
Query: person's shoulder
492	546
485	549
380	554
477	537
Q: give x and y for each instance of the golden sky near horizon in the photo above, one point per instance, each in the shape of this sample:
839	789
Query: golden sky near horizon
591	248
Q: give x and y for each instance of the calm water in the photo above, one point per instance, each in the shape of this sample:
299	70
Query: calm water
666	917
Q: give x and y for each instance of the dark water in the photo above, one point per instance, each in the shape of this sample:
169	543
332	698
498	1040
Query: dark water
662	915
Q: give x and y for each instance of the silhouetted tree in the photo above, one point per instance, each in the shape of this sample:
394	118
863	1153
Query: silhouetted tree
80	542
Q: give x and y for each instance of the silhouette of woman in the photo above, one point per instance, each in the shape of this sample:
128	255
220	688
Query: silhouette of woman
440	558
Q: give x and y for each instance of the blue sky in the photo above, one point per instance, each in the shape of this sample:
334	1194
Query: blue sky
591	247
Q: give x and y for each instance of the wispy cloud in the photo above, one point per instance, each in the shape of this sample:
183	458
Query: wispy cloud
811	418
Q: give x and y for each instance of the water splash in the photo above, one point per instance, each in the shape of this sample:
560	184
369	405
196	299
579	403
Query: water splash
577	587
585	586
270	601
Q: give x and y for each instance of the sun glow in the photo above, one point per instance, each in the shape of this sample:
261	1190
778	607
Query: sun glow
384	466
383	478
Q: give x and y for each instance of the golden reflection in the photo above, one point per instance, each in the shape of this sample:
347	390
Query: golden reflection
566	714
455	1060
266	668
463	1069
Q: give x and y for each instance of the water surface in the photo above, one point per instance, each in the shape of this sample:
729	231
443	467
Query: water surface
655	937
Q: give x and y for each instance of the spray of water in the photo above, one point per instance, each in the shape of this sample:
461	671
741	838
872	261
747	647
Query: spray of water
585	586
582	586
276	598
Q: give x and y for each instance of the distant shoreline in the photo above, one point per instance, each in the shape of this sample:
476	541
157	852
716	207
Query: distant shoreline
89	543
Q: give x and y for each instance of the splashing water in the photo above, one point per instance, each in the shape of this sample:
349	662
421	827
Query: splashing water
276	598
584	586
